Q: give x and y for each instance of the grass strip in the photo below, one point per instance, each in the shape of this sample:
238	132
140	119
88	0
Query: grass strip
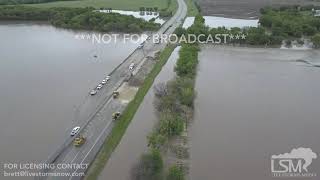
120	127
192	8
173	6
133	5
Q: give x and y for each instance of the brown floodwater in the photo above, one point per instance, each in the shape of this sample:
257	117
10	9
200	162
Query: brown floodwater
45	74
252	104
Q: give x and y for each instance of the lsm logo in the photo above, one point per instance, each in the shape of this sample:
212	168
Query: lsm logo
293	164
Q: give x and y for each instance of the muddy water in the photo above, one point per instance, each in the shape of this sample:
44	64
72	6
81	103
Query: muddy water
134	142
251	104
44	74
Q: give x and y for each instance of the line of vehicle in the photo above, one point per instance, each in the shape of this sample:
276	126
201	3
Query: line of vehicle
108	97
104	129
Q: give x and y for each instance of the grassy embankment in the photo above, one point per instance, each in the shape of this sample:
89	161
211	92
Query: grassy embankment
120	127
172	6
192	8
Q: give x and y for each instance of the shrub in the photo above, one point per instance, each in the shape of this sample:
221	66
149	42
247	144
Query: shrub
149	167
316	40
175	173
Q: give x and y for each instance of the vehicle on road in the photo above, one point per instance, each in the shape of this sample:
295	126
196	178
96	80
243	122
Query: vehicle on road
131	66
79	141
115	94
93	92
140	46
107	78
104	81
75	130
116	115
99	86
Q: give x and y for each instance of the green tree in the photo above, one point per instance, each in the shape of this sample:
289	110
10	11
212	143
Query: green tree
316	40
170	124
149	167
180	31
156	140
175	173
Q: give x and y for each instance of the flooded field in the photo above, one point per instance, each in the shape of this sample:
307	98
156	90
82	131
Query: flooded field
45	74
134	141
252	104
244	8
214	22
143	15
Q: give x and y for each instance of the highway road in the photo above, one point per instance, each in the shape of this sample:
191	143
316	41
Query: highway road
94	114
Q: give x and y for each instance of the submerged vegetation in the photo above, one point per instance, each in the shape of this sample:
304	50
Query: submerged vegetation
174	105
175	173
78	18
149	167
174	99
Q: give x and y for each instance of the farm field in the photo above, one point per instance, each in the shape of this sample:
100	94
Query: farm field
114	4
244	8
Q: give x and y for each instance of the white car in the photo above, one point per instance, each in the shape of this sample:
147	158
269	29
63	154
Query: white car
93	92
104	81
75	131
131	66
140	46
99	86
107	78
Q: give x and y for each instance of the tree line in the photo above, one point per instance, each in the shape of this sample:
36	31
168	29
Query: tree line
174	107
174	104
78	18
